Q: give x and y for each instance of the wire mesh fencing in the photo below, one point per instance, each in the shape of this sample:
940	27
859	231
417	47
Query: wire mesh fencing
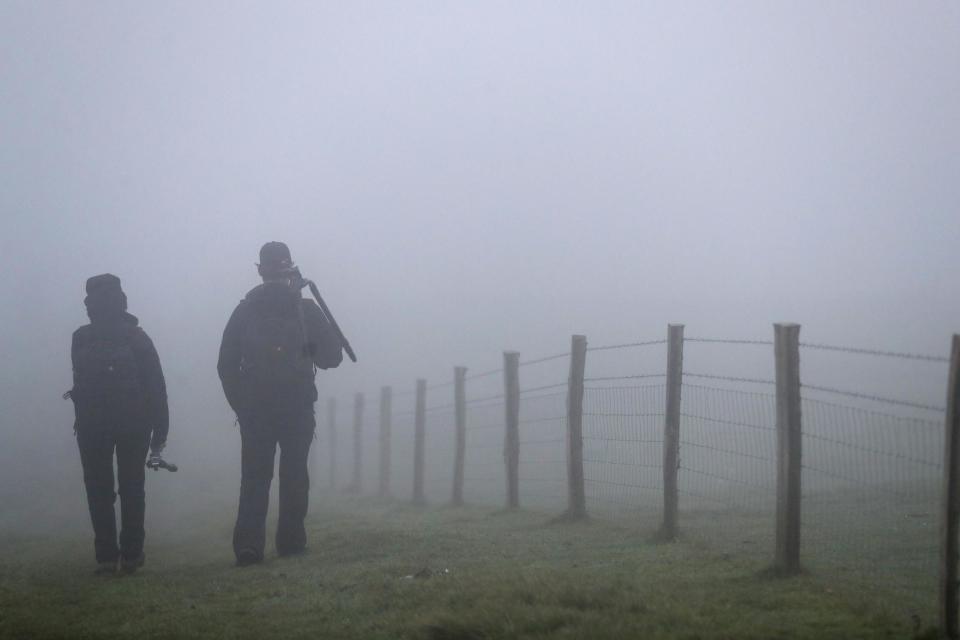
872	469
543	464
728	461
871	498
860	470
484	478
402	445
623	450
439	450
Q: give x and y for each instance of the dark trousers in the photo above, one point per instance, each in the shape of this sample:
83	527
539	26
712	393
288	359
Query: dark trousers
97	443
261	432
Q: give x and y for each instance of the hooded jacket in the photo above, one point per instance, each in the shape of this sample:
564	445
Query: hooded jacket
321	343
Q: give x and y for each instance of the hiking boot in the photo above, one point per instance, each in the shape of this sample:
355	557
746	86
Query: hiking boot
247	557
131	565
106	568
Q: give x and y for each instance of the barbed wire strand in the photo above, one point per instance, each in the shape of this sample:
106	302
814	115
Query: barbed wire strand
641	376
874	352
872	450
540	420
710	376
544	387
717	476
485	399
626	388
555	394
556	356
875	414
875	398
729	391
626	345
732	423
765	343
602	414
484	374
707	447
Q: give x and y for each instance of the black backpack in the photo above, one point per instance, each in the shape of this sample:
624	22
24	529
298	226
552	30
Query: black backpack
106	367
273	349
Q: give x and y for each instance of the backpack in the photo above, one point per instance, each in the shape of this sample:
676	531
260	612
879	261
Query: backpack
106	366
273	350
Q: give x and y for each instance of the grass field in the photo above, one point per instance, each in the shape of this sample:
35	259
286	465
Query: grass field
390	571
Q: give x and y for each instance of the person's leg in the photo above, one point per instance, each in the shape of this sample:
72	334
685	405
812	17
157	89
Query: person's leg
132	447
258	448
96	455
295	435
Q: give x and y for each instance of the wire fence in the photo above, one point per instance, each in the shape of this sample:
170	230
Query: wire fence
868	507
622	447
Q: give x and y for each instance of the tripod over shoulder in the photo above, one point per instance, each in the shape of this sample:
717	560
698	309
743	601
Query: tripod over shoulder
301	282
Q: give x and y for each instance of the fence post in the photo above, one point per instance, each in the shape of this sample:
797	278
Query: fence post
789	440
419	436
332	431
576	495
949	598
671	430
511	440
386	400
357	484
460	413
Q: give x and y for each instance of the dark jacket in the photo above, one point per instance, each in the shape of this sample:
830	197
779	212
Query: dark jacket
151	405
321	342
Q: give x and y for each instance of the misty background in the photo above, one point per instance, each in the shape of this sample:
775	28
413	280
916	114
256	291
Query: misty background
460	179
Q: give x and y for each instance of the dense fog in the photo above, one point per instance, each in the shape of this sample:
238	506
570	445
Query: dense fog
463	179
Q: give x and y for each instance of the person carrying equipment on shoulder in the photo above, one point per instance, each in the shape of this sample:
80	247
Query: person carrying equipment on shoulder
120	403
272	345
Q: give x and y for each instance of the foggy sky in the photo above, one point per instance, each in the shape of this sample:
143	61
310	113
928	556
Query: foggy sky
464	178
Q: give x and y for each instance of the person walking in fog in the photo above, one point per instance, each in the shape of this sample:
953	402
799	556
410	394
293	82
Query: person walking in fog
272	345
120	401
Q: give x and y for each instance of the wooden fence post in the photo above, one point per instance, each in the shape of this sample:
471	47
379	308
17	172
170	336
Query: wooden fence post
419	437
356	485
511	439
332	445
949	598
460	451
386	400
671	430
789	441
576	495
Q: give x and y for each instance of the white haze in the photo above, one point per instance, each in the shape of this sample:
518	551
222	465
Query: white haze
464	178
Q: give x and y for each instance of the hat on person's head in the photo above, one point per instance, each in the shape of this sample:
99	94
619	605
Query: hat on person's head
105	299
275	256
103	283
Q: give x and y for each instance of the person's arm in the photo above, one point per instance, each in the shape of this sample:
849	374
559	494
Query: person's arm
75	342
74	347
155	387
228	365
322	341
